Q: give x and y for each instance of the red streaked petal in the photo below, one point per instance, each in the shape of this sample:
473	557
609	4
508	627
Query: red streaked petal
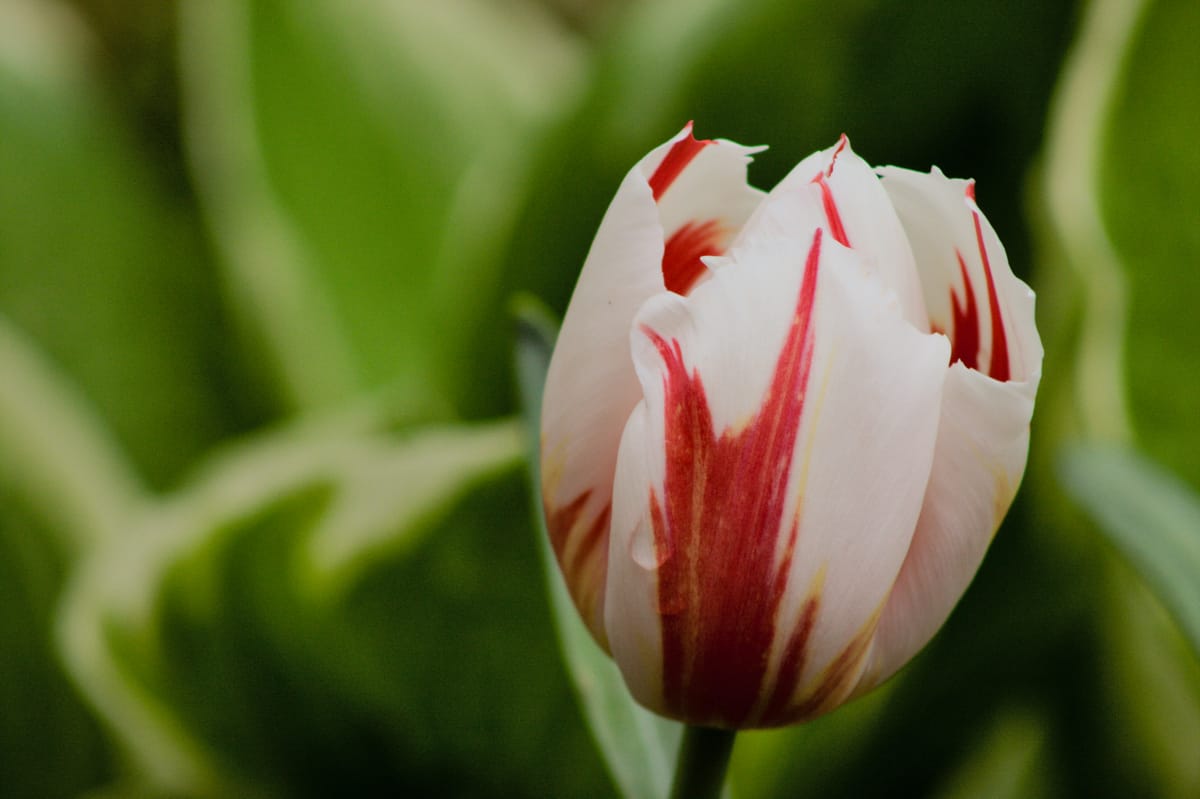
964	333
579	539
715	607
682	266
591	386
836	189
998	368
990	318
678	157
967	331
983	434
710	563
834	217
703	200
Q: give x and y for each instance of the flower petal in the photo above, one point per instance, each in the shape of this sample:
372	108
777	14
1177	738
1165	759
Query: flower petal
684	200
983	436
970	291
840	190
768	484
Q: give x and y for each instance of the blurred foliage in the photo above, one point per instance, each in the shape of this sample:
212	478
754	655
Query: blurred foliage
1150	170
263	527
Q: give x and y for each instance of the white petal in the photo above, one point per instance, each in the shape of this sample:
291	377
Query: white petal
703	206
945	225
631	599
591	387
982	443
849	482
983	437
871	443
836	189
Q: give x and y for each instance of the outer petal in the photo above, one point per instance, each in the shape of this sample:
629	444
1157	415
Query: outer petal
684	200
983	438
840	189
769	483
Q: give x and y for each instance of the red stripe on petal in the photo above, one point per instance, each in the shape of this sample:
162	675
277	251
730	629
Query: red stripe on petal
577	543
832	215
841	145
795	656
717	528
560	521
681	262
582	557
999	367
678	157
836	228
968	327
965	344
837	679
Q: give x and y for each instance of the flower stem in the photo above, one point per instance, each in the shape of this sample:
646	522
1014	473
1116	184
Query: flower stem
703	758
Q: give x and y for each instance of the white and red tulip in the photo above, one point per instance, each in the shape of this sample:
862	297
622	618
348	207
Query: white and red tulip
780	430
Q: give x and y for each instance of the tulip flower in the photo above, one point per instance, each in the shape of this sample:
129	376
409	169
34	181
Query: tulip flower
780	430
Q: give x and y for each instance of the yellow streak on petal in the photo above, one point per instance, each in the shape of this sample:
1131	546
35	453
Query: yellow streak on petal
836	682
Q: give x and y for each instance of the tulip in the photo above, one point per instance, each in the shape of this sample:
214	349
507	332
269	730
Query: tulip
780	430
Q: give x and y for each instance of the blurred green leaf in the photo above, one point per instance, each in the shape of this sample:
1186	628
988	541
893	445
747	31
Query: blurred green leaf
1009	763
331	608
64	487
808	759
50	745
1119	166
99	262
360	164
1149	179
638	746
1155	684
1076	235
56	453
1150	516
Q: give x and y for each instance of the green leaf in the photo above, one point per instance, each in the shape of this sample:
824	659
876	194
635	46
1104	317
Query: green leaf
638	746
808	759
56	452
360	164
99	263
65	486
1149	180
1121	173
1008	763
1153	677
333	607
1151	517
50	744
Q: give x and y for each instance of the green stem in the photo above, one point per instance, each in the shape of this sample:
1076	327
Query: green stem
703	758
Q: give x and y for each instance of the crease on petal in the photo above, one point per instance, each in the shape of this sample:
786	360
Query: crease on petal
983	442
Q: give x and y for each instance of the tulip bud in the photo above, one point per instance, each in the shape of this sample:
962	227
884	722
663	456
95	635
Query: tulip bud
780	430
